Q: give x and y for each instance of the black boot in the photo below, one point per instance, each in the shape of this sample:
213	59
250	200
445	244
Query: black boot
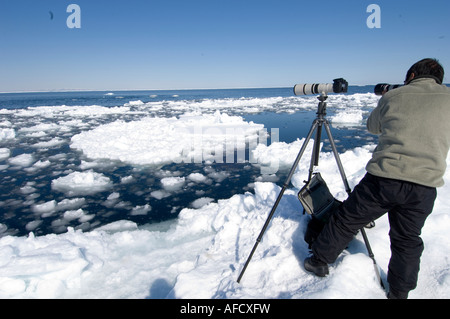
319	268
393	294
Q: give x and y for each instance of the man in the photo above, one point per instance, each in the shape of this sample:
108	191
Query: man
413	124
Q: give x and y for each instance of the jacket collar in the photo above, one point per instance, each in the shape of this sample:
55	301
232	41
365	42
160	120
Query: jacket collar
425	77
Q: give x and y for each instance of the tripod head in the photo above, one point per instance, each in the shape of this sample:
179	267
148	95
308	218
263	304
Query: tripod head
322	107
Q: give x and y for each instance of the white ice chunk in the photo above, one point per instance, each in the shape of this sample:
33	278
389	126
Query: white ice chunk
4	153
82	183
141	210
200	202
172	183
48	144
347	116
190	138
197	177
7	133
23	160
45	209
159	194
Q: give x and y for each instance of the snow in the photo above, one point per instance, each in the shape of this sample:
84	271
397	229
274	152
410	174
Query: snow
201	254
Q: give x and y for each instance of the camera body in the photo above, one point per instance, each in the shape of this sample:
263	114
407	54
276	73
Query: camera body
338	86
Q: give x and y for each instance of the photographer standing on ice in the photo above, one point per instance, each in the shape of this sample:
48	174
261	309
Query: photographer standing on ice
413	124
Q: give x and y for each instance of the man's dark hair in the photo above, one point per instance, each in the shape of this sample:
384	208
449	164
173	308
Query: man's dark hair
427	68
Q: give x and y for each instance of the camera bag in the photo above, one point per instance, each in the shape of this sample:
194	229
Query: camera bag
318	202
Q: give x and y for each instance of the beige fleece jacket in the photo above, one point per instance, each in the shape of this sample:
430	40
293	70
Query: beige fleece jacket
413	124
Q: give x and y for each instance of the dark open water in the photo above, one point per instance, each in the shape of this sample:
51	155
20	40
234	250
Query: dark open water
40	126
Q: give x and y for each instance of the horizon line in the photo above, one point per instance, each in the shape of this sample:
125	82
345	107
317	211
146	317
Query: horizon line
131	90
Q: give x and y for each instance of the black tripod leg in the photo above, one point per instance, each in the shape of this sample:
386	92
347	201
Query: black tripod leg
280	195
316	150
371	255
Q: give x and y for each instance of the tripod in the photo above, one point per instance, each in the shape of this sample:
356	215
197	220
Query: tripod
318	124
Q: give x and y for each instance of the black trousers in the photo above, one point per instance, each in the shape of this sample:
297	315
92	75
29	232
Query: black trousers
407	204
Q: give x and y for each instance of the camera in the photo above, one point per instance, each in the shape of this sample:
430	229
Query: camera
338	86
382	88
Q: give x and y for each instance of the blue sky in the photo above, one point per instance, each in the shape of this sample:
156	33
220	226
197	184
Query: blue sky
215	44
